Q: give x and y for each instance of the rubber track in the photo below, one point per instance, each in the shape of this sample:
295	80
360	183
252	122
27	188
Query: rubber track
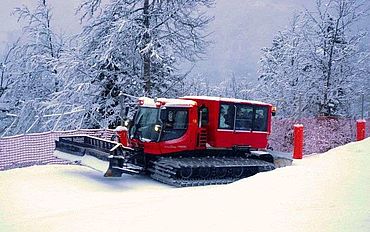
221	170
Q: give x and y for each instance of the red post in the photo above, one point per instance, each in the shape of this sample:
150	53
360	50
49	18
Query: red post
361	129
122	135
298	141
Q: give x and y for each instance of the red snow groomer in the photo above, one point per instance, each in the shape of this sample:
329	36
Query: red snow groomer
189	141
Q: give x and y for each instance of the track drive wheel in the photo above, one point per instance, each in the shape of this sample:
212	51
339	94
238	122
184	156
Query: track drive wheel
236	172
186	172
204	172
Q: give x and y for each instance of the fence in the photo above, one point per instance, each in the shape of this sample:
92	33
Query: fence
37	149
320	133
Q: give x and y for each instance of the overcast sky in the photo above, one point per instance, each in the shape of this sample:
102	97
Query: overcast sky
64	18
240	29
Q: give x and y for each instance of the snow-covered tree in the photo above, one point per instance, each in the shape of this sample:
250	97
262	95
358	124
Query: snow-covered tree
38	53
284	70
338	59
7	66
31	68
133	47
197	85
239	87
6	69
235	87
319	57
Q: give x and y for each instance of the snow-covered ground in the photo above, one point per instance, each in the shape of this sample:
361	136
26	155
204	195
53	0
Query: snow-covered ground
325	192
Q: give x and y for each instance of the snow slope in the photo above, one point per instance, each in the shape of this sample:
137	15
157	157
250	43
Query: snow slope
325	192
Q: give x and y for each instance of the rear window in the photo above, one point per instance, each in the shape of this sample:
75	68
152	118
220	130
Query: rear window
260	120
227	112
243	117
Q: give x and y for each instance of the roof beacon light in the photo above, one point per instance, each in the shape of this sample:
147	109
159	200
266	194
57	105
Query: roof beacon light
273	110
159	103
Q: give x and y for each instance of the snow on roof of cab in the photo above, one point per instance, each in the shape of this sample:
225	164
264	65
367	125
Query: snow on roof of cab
225	99
169	102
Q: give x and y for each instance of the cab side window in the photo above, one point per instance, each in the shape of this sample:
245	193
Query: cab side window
260	122
175	123
244	117
226	120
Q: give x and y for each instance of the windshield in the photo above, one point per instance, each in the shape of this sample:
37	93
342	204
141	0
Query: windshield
172	121
144	124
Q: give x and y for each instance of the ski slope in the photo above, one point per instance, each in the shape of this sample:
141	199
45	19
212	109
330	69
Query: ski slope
324	192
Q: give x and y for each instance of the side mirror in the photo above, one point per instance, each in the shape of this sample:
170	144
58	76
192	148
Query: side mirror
127	123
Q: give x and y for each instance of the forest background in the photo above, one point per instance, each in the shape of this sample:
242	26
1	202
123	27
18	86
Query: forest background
61	70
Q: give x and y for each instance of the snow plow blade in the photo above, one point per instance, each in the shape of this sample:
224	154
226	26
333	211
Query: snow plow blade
102	155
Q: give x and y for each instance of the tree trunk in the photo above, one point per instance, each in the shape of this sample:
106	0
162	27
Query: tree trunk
327	107
146	55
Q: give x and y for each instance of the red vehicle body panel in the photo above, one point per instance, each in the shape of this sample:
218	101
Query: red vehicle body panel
216	138
221	138
187	142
